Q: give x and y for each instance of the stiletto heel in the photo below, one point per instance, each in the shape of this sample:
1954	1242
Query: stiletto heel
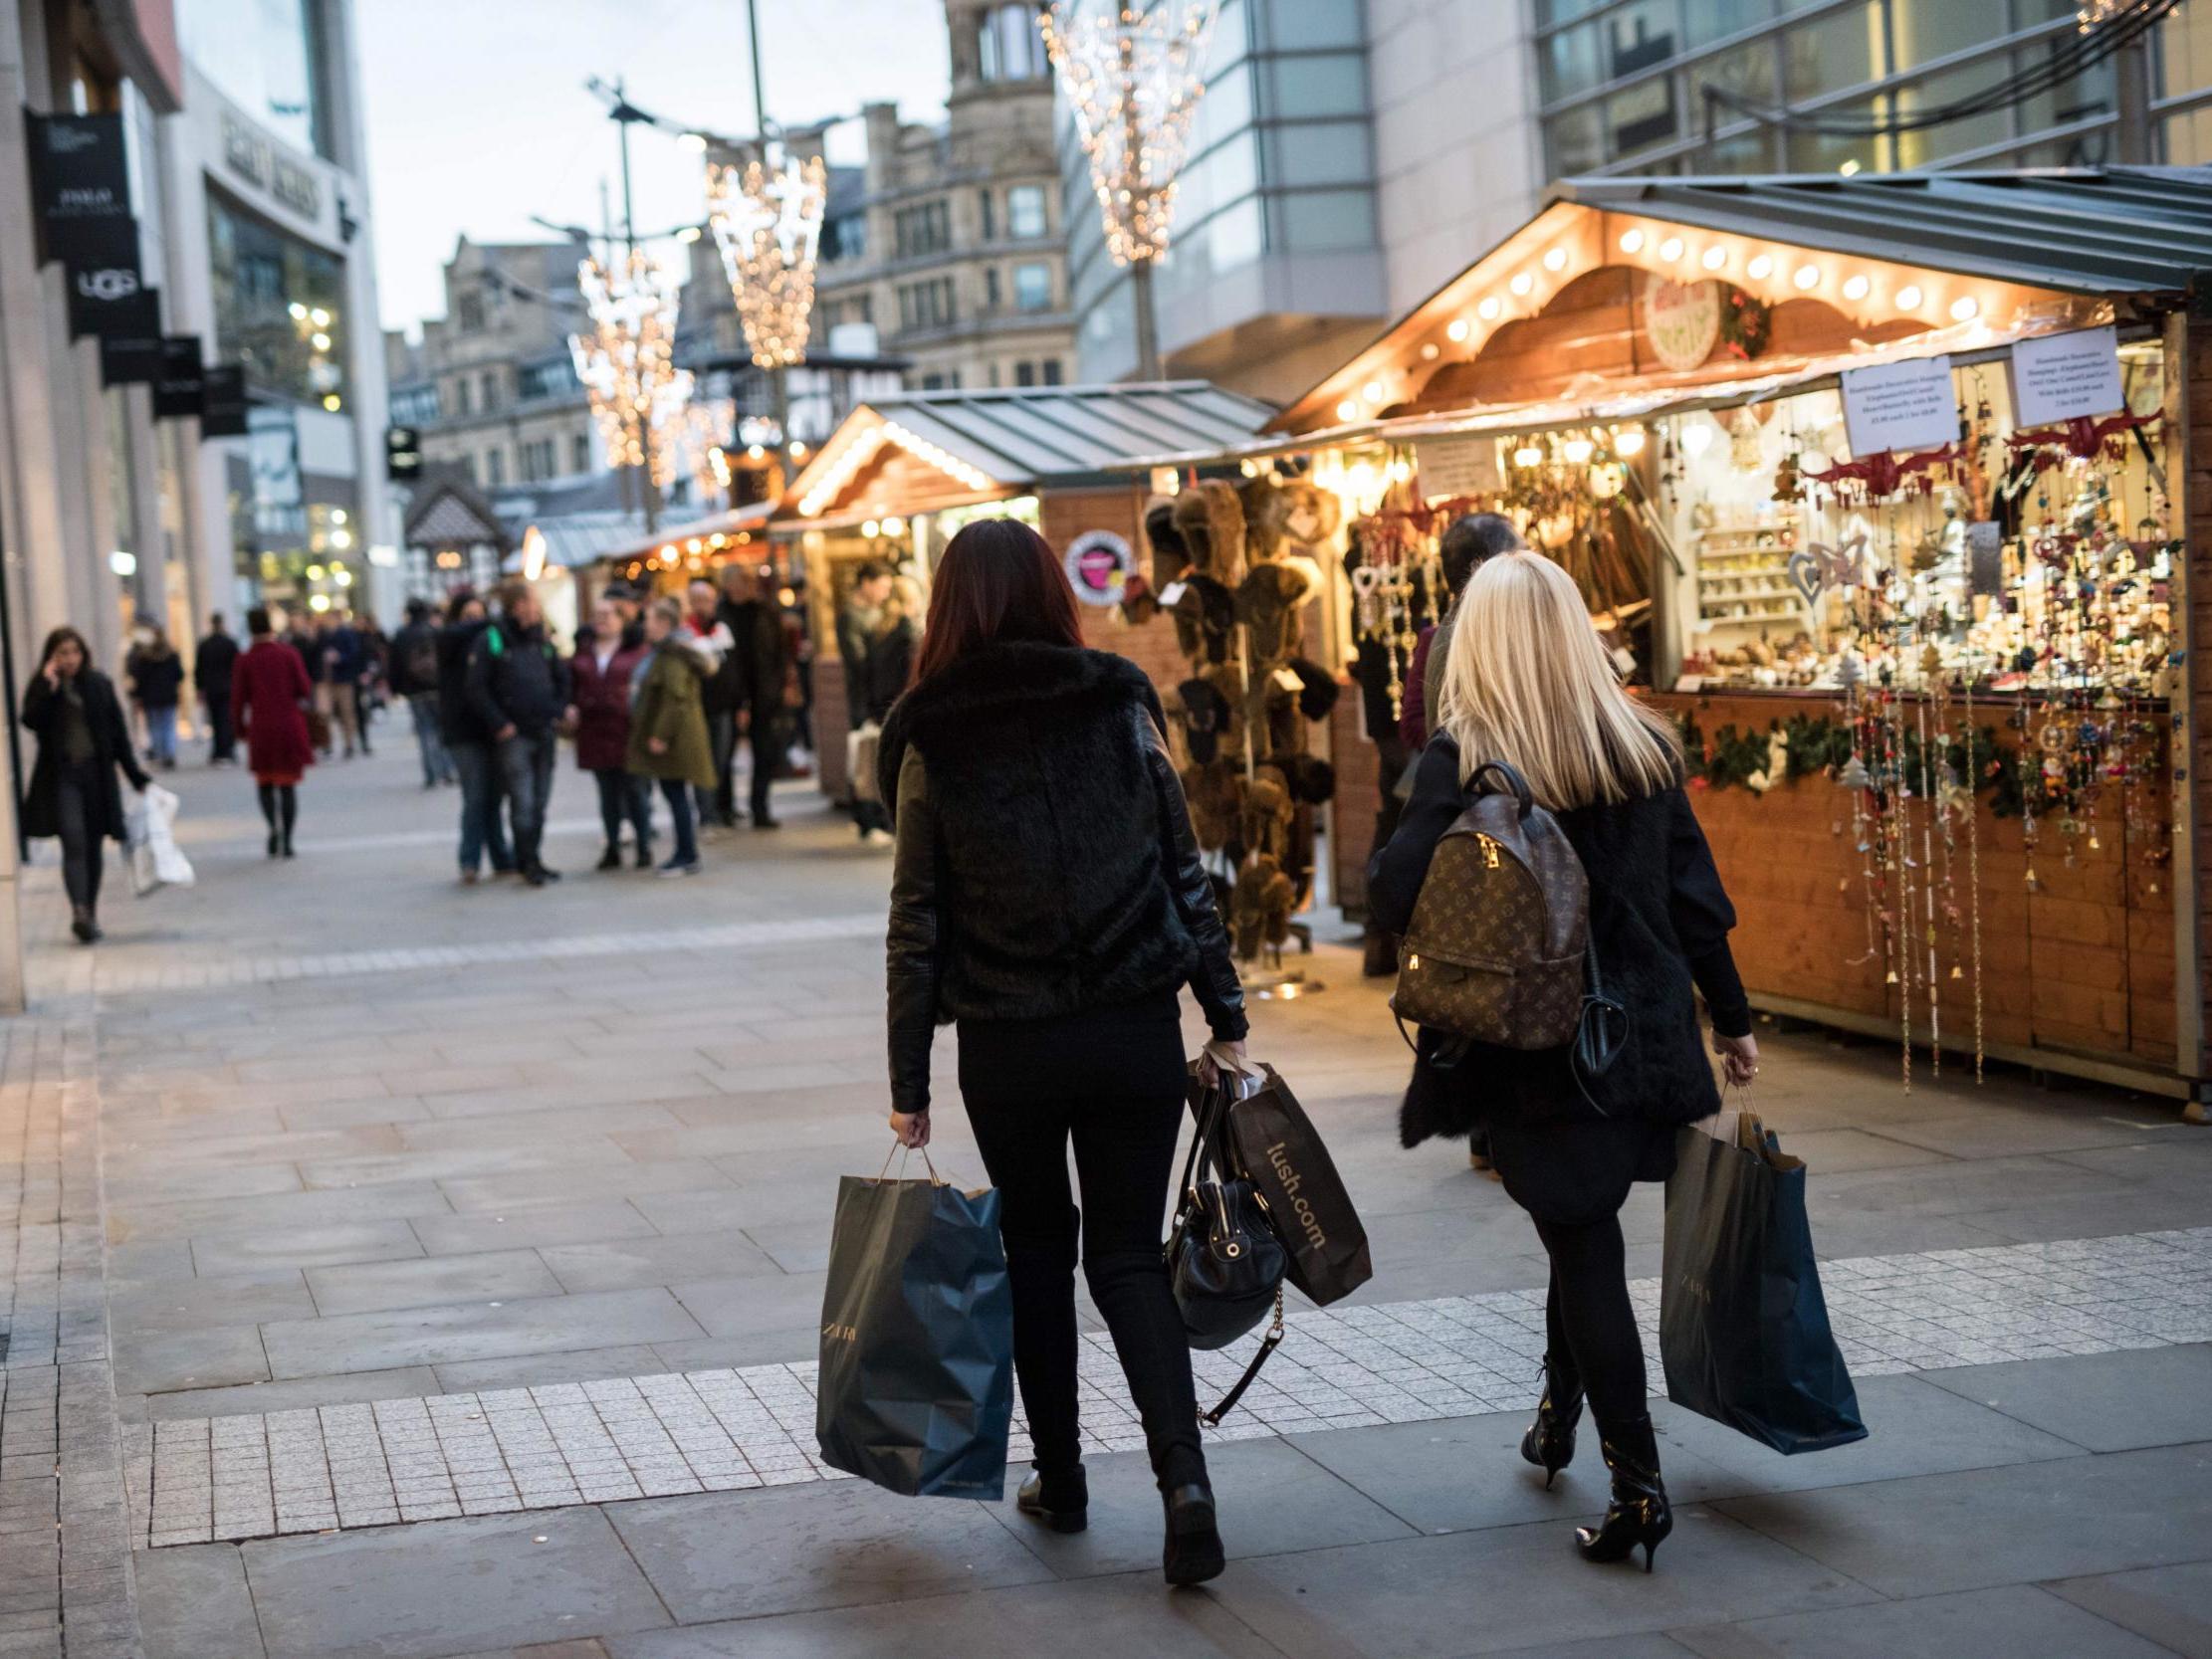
1639	1513
1550	1440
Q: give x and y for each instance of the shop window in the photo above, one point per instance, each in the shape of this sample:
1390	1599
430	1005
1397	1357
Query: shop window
987	214
554	377
579	453
280	305
991	288
1032	287
1025	211
844	236
1051	371
927	305
1024	373
1008	45
923	229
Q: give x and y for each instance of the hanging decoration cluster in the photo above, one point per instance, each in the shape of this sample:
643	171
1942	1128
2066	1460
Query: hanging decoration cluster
1133	74
627	362
768	222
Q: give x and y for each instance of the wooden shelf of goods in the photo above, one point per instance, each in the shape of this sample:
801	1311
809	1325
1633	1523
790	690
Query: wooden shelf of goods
1740	554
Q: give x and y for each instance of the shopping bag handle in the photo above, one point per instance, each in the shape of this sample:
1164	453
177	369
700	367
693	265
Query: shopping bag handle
898	1146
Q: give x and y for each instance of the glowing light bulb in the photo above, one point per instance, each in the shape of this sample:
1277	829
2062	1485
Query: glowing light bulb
1760	267
1632	242
696	142
1428	352
1555	259
1965	308
1856	286
1458	329
1806	277
1522	282
1577	451
869	527
1629	441
1714	257
1348	410
1488	308
1671	250
1371	391
1908	297
1698	436
1528	454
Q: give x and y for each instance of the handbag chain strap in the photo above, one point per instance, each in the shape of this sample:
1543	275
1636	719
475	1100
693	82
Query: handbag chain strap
1267	1347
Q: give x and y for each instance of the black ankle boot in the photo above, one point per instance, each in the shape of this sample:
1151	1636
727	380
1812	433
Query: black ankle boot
1639	1512
611	859
1061	1501
1194	1549
81	923
1550	1440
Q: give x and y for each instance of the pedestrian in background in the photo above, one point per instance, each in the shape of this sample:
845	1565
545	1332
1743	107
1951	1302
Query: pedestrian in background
156	675
371	688
1529	683
756	681
600	691
668	740
718	700
83	741
212	663
1048	895
859	625
269	695
469	746
414	677
517	689
339	644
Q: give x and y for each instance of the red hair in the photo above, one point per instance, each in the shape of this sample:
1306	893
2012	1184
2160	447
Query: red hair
998	580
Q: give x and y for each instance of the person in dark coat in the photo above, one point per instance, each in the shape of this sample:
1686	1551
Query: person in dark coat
211	670
600	708
83	741
518	690
753	677
469	746
1048	895
413	678
860	625
270	691
157	676
1529	683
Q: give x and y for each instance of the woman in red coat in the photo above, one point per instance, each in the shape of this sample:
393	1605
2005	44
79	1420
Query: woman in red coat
605	660
268	691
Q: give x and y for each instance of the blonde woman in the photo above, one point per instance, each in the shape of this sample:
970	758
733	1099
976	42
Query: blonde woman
1529	683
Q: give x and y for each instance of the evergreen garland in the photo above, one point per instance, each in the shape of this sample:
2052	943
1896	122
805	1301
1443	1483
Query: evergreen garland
1822	745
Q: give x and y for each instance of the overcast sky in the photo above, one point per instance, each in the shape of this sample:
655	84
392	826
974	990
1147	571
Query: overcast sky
478	117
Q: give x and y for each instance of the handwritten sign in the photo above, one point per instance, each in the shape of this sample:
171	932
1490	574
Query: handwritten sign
2056	377
1462	465
1907	405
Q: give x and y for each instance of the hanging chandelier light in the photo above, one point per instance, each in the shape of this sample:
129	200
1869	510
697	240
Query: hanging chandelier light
768	222
627	362
1133	74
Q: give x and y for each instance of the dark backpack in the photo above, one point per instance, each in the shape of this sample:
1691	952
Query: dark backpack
420	660
1498	949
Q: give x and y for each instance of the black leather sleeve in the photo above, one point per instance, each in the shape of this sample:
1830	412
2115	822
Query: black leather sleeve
911	966
1215	985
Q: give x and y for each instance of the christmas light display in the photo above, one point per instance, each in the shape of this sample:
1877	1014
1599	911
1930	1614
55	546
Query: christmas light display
627	362
768	222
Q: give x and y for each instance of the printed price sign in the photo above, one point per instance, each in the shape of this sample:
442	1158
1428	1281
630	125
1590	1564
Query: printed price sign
1907	405
1462	465
2058	377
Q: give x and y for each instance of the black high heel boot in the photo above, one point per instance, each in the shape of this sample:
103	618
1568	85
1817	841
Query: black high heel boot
1193	1547
1061	1502
1639	1512
1550	1440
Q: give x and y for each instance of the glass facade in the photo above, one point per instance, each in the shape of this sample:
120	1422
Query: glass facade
266	57
1280	162
280	306
1626	85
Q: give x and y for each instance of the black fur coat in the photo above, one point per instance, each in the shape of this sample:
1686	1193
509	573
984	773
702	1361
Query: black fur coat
1659	920
1045	863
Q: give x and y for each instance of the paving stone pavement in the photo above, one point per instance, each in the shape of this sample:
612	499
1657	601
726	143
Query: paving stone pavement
510	1208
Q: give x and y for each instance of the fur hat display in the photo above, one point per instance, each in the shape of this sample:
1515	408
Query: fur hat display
1205	716
1266	516
1319	689
1312	780
1261	911
1171	555
1267	604
1204	619
1267	810
1139	604
1310	513
1214	794
1211	523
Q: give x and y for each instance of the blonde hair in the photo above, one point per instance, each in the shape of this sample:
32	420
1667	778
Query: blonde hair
1528	682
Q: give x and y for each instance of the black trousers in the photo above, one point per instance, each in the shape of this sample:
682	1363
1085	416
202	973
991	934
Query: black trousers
225	736
84	834
1111	1082
1589	1324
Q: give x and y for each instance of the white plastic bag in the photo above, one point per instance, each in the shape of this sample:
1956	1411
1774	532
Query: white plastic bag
155	859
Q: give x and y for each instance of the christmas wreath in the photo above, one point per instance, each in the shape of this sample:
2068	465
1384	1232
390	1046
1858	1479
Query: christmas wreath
1746	324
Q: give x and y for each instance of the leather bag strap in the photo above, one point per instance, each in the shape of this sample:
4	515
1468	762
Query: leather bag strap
1267	1347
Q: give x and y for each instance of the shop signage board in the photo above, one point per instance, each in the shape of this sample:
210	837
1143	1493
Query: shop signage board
182	382
251	157
130	342
1098	563
82	174
1465	464
107	294
223	401
1905	405
2063	377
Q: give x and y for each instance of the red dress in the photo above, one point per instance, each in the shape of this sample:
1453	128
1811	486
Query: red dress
267	687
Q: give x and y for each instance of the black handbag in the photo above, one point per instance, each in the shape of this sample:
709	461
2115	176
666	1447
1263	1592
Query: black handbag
1223	1260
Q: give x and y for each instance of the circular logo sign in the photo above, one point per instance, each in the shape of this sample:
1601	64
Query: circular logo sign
1098	564
1683	322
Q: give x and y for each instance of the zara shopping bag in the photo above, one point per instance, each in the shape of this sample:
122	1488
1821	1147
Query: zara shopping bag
916	1341
1743	1328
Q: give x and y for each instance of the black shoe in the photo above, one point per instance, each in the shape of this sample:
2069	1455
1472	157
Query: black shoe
763	821
644	855
81	923
274	845
1639	1512
1067	1505
288	846
1550	1440
1194	1549
536	876
611	859
545	874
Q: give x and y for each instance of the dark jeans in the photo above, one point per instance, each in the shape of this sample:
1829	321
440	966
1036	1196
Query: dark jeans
678	796
225	737
1111	1081
719	805
766	749
481	829
1589	1322
84	833
437	767
526	763
624	795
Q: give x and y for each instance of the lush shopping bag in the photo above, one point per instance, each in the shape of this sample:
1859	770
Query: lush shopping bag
1275	1147
150	831
916	1392
1743	1326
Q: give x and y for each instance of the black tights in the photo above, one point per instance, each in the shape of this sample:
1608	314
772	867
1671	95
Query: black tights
1588	1323
280	806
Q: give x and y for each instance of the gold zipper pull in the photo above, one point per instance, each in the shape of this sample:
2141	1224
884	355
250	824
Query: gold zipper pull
1489	854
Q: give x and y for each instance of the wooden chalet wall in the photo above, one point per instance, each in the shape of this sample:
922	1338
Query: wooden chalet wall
2194	745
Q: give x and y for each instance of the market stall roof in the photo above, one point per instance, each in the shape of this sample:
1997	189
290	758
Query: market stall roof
447	511
578	539
674	542
982	445
1895	255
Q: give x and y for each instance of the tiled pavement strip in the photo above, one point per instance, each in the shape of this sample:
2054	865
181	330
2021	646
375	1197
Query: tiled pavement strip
502	1450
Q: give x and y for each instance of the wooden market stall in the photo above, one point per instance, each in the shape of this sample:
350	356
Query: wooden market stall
1915	473
900	474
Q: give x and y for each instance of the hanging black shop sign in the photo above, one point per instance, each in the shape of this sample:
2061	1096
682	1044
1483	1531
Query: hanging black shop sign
104	291
223	401
130	342
402	453
81	172
177	393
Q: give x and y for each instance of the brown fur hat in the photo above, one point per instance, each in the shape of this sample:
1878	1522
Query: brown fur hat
1266	517
1211	523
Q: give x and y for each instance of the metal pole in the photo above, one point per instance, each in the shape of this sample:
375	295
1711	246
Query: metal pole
1148	327
648	490
779	387
2133	143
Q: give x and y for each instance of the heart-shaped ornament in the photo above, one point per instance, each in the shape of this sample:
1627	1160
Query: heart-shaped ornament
1806	576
